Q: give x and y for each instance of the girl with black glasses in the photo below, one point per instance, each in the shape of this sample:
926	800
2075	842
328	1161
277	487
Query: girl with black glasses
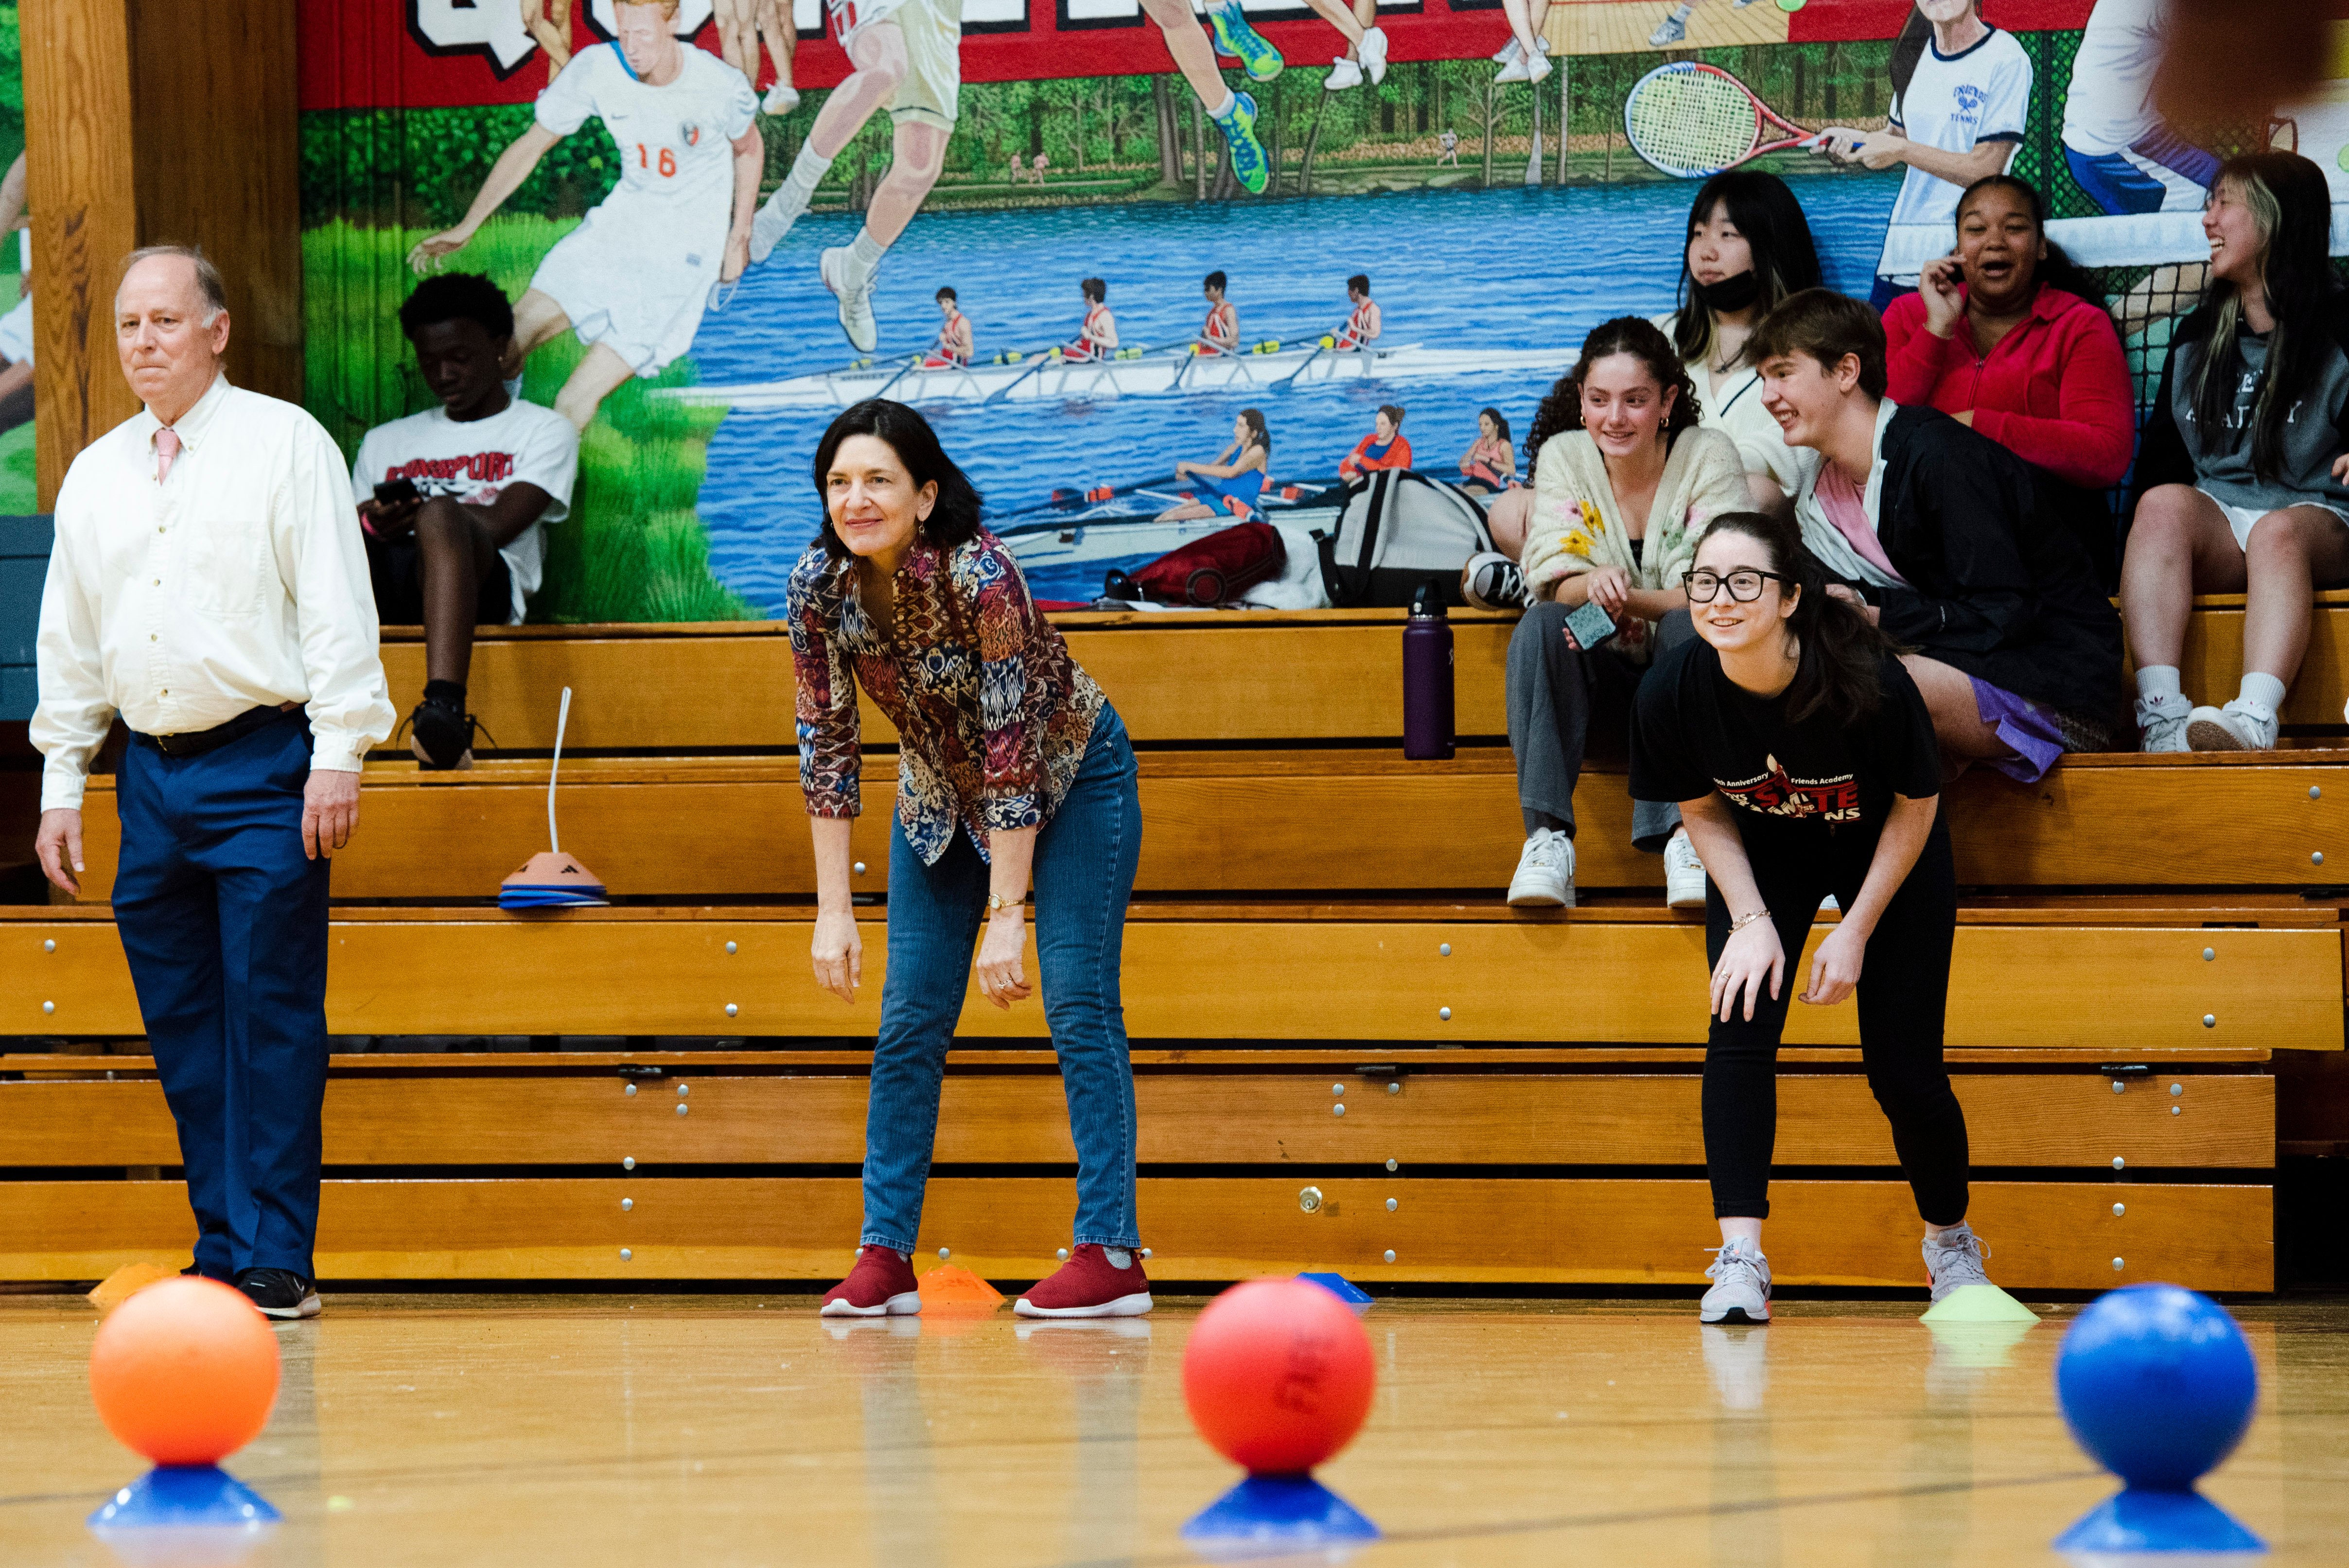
1803	763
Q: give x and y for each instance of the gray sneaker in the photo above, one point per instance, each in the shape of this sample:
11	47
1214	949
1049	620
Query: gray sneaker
1956	1260
1740	1285
1670	31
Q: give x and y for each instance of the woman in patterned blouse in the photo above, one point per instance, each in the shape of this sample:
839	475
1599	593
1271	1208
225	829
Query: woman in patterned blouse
1010	760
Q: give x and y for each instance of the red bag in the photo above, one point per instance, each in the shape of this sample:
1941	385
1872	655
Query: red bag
1207	572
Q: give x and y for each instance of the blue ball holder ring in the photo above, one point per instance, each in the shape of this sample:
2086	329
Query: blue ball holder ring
2138	1520
2159	1386
1277	1511
185	1497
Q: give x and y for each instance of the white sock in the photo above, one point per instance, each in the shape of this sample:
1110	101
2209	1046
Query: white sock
807	172
1231	101
1682	13
864	256
2157	686
2262	690
1119	1258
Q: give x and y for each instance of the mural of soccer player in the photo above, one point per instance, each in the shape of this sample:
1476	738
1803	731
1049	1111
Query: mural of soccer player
907	55
549	21
2119	150
633	278
740	25
1960	98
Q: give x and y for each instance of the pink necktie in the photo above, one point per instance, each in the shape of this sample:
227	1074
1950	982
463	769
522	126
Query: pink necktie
167	446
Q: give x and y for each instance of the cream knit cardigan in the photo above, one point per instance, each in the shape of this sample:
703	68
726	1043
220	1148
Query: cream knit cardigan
1575	527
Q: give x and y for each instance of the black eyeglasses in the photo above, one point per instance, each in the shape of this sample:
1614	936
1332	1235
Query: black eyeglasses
1745	585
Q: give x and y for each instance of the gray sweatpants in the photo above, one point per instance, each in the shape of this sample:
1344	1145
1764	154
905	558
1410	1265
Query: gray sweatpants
1556	695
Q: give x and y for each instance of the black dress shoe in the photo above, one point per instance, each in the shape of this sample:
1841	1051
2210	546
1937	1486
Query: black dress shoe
279	1293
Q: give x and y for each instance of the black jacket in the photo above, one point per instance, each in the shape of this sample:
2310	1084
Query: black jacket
1999	586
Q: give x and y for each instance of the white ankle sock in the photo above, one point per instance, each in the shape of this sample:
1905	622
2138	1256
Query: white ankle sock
864	256
2157	688
1119	1258
2263	690
1231	101
807	172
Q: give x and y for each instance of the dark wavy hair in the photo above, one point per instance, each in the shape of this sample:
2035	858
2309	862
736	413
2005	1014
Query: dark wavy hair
2293	209
1786	259
954	520
1500	422
1644	341
1253	419
2058	270
1842	651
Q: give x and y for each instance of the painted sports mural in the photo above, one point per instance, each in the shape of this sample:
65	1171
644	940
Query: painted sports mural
1093	238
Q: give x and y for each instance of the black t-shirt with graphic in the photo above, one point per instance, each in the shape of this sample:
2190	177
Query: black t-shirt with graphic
1694	730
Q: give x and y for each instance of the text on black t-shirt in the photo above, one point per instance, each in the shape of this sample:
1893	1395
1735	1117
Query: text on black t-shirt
1695	731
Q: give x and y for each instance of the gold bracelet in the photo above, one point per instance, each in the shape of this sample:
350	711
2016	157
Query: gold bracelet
1739	923
997	901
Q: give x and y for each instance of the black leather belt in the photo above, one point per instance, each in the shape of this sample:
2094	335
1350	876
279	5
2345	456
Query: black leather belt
196	742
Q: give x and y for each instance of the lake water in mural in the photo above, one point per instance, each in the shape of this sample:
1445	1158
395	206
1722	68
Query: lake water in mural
1506	271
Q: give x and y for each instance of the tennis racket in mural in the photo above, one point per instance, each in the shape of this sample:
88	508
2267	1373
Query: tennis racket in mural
1692	121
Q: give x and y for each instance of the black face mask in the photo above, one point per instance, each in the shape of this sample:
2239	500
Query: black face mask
1730	293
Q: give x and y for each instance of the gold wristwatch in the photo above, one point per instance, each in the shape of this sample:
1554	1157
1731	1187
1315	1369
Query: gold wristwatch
995	901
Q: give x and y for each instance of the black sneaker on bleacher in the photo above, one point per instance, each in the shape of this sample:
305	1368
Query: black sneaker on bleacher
279	1293
441	736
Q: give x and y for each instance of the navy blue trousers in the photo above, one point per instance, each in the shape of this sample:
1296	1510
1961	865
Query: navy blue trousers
225	921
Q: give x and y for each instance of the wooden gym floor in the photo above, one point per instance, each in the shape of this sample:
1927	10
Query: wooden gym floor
714	1431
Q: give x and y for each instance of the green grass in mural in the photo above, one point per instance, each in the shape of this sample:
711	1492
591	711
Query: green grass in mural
632	549
19	496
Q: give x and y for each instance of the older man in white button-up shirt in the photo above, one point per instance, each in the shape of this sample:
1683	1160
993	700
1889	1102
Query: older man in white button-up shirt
209	585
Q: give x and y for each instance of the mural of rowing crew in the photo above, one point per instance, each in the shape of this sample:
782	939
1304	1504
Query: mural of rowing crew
634	278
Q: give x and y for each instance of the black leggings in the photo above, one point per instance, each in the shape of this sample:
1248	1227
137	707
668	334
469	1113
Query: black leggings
1903	994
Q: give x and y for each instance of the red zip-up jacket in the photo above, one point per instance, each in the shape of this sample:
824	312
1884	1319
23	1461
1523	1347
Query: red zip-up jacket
2055	391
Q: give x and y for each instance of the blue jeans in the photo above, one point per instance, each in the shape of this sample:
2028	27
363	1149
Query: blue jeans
224	923
1085	859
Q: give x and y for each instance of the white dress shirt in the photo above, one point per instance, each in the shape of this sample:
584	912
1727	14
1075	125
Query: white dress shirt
239	582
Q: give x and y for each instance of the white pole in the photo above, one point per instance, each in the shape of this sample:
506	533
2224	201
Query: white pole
562	718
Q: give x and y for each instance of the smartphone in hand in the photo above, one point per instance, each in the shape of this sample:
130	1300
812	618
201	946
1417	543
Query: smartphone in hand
396	492
1590	624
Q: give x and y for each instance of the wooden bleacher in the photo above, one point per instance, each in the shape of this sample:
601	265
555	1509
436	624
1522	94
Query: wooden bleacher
1318	925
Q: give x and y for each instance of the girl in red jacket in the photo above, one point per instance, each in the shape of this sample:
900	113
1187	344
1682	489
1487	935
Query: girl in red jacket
2009	336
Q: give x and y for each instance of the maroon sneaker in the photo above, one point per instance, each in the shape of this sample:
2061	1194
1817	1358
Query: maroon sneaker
1089	1286
882	1284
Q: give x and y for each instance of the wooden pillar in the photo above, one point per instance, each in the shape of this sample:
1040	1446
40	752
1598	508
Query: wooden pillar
153	122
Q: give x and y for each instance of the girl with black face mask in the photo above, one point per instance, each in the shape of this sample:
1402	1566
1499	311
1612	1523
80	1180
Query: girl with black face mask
1748	247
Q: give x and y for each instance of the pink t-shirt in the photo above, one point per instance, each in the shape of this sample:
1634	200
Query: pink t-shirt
1846	508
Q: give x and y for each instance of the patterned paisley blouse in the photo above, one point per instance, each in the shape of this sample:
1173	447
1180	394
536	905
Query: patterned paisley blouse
992	714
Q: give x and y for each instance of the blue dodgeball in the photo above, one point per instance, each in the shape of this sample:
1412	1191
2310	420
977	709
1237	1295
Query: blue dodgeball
2158	1384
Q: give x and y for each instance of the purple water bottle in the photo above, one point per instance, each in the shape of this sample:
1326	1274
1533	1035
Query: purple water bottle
1427	678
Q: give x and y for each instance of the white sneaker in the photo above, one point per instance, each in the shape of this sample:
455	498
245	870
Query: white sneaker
2163	722
774	220
855	299
1522	70
2238	727
1491	581
1670	31
781	99
1373	51
1684	875
1740	1285
1545	878
1955	1261
1508	53
1344	74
